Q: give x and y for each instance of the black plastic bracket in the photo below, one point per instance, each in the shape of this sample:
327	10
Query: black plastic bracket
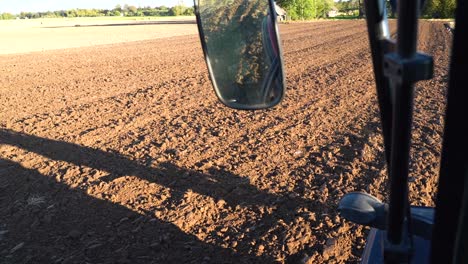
417	68
399	253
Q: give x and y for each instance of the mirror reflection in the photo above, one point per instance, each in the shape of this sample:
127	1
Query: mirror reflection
241	46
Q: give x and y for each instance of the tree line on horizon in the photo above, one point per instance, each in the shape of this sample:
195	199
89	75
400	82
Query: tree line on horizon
306	9
126	10
296	10
313	9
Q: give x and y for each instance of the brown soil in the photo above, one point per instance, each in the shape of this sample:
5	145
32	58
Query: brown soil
122	153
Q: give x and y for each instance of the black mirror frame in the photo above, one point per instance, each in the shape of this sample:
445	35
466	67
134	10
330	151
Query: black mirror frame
207	58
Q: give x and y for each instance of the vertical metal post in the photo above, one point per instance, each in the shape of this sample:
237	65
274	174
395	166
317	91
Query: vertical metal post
402	118
451	192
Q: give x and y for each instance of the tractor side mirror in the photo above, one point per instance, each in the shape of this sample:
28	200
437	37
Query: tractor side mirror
241	47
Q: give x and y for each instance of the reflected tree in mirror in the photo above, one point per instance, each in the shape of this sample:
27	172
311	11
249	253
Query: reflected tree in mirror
240	42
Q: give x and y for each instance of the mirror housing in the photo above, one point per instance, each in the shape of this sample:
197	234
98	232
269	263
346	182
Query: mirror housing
241	46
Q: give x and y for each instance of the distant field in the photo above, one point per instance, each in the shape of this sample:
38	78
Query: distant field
21	36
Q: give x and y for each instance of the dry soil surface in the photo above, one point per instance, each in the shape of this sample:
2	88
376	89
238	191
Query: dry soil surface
122	154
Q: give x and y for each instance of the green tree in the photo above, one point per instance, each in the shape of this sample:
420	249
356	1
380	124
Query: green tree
306	9
177	10
7	16
132	10
350	7
289	6
439	9
323	7
431	8
448	8
115	13
189	11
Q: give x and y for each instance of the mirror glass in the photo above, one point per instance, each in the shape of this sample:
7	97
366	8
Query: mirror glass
241	46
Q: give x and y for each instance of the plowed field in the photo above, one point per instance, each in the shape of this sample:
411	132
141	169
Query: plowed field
122	154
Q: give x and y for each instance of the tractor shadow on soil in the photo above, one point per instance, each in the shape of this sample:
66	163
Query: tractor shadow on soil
71	227
74	226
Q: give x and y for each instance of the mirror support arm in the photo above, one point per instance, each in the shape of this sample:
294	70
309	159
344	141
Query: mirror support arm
380	44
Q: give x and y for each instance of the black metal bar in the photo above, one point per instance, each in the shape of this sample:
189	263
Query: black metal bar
408	11
402	118
461	247
454	162
400	161
377	27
